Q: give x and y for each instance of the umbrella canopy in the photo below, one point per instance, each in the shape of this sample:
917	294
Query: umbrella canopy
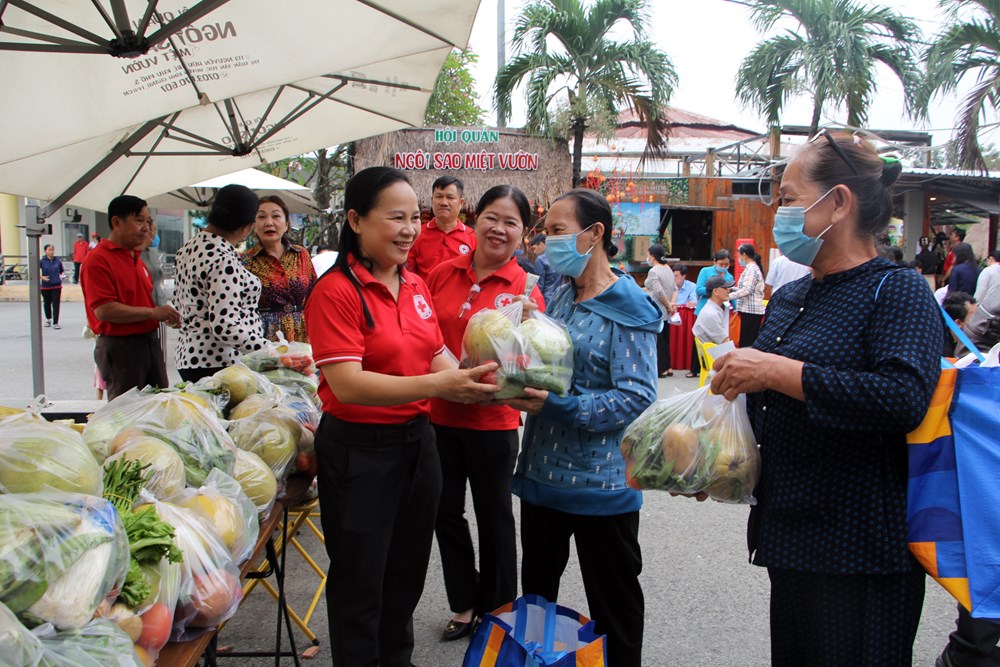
297	197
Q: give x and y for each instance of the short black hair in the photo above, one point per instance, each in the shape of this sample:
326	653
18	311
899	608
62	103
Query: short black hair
959	232
123	206
956	304
443	182
995	255
722	254
681	269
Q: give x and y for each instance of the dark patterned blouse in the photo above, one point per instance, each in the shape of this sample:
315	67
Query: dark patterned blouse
832	495
284	285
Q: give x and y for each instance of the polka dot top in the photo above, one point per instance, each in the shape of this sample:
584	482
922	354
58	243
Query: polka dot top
217	299
832	495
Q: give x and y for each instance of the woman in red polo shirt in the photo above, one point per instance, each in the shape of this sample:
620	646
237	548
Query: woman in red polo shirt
376	339
478	444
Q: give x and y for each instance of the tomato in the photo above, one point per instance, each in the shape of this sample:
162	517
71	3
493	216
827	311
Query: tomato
523	361
156	622
306	462
488	378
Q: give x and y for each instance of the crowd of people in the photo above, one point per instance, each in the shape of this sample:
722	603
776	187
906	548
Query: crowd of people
406	429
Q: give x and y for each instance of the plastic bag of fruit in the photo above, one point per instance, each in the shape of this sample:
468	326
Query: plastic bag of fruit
222	502
535	353
282	354
691	443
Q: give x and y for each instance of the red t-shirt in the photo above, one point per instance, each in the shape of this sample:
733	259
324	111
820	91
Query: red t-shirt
112	273
434	247
450	285
404	342
949	261
80	249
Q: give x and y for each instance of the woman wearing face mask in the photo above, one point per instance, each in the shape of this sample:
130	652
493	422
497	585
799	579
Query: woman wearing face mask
749	294
570	474
376	341
844	366
478	444
661	285
284	269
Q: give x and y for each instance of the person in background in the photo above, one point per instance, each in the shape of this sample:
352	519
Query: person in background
959	306
52	274
95	240
927	262
284	269
783	271
720	268
687	291
712	325
956	236
989	278
445	236
216	295
749	294
662	286
570	473
844	367
80	249
118	297
548	279
478	444
153	260
381	356
325	257
965	271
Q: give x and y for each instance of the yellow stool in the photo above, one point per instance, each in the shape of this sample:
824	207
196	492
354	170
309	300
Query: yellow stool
705	359
299	516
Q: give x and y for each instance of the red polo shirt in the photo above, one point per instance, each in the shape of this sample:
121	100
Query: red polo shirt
434	247
111	273
405	340
450	284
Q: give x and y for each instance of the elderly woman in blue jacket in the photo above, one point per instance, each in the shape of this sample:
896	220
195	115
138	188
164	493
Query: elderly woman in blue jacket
570	474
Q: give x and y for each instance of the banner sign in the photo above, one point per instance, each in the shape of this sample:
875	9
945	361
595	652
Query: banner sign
476	160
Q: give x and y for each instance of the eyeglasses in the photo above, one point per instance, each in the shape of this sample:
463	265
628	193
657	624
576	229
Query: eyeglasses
837	149
467	306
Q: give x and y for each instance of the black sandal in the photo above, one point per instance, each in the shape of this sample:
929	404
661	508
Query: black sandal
690	375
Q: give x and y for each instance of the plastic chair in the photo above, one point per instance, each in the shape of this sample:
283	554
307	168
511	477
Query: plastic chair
705	359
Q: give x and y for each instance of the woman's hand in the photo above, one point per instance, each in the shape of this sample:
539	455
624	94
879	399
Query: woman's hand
529	305
463	385
532	403
747	371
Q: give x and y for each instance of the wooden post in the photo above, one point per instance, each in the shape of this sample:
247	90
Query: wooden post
686	168
710	163
991	242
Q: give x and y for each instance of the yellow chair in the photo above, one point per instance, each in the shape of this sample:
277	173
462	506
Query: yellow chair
705	359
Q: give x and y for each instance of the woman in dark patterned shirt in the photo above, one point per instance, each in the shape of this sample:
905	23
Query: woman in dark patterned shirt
843	368
285	271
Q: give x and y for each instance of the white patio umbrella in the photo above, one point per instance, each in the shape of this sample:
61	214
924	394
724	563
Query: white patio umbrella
216	88
297	197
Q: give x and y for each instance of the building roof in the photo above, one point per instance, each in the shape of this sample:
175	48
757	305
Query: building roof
684	124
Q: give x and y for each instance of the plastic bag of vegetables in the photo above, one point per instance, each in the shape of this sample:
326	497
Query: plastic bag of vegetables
268	429
18	646
694	442
214	398
164	474
36	455
240	382
100	643
282	354
549	351
256	480
286	377
193	430
222	503
60	556
210	589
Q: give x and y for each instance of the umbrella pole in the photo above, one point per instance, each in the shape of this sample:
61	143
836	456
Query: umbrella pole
34	227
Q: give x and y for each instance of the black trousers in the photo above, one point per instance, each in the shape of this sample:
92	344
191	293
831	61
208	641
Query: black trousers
378	491
50	303
195	374
749	328
130	361
695	361
824	620
484	459
663	350
610	562
974	641
76	272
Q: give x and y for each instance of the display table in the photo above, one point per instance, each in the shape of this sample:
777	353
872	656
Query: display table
681	339
187	654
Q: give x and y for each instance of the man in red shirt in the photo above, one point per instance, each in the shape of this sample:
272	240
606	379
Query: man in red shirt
957	236
445	237
80	249
118	295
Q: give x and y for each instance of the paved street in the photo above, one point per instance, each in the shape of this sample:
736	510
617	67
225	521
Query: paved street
705	605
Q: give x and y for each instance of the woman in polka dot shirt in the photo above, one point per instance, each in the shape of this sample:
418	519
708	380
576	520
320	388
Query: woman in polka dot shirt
216	296
844	366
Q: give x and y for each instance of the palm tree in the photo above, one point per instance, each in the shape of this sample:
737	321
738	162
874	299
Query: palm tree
559	45
966	48
831	56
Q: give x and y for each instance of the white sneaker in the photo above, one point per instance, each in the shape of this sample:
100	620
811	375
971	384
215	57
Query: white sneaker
56	326
48	323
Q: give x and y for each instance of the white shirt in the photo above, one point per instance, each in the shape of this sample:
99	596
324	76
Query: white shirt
712	325
784	270
989	281
323	261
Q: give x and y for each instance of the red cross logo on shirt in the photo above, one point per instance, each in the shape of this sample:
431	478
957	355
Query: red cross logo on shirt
503	300
420	305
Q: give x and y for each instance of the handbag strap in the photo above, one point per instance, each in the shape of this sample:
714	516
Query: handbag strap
520	620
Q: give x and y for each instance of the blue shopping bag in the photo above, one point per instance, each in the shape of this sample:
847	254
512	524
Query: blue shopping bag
952	496
532	631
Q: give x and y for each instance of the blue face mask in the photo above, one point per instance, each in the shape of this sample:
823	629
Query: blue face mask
563	255
742	263
156	241
789	222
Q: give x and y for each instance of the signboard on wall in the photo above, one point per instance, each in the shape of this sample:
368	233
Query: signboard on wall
473	149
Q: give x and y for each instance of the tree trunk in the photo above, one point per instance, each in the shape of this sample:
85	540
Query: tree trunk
579	127
814	124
